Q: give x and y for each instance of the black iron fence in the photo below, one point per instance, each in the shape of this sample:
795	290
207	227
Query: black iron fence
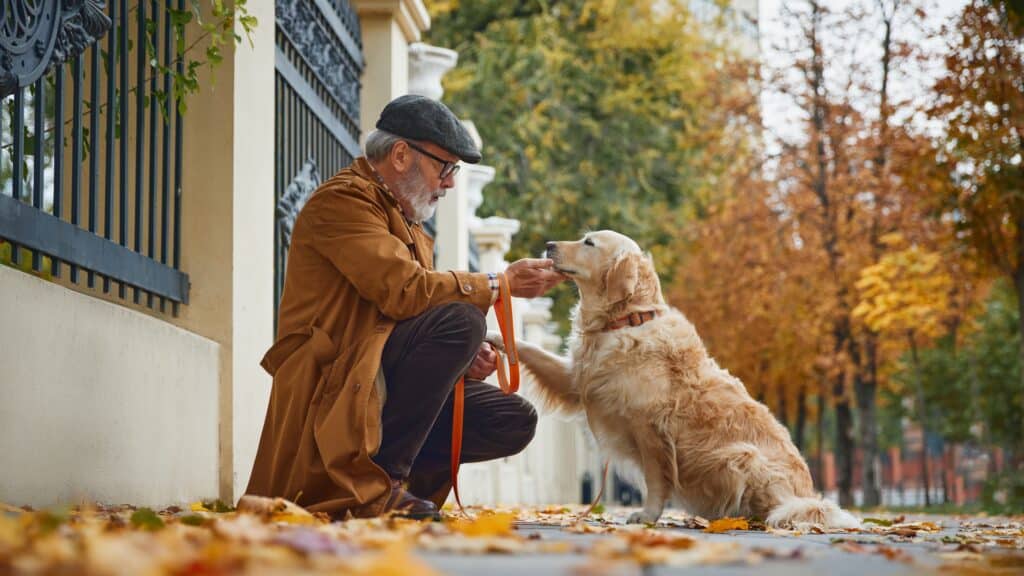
319	59
90	161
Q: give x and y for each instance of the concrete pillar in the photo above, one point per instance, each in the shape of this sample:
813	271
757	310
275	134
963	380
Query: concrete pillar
455	216
388	27
247	387
427	66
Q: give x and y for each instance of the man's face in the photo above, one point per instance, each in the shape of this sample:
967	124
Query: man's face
420	187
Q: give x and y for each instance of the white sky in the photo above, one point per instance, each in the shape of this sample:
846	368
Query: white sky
780	114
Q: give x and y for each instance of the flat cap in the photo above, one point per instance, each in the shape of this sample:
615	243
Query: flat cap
420	118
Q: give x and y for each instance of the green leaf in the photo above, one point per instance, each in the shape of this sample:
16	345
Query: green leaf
193	520
179	18
879	521
146	519
217	506
50	520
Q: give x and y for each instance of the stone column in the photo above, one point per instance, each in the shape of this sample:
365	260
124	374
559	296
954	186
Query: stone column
494	238
388	26
455	215
536	314
427	66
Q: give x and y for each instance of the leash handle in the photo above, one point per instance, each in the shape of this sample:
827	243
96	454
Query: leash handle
503	312
509	384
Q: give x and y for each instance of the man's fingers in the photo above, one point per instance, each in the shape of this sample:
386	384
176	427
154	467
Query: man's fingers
536	262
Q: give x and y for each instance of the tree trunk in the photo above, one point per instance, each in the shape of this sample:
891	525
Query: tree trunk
1018	450
821	435
866	389
947	457
783	409
923	418
801	418
844	451
844	413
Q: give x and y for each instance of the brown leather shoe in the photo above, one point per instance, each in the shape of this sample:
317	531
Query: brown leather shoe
402	503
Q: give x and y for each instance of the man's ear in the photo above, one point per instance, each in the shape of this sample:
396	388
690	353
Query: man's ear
621	278
401	157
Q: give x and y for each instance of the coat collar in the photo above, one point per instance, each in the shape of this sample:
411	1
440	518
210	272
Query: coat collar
365	170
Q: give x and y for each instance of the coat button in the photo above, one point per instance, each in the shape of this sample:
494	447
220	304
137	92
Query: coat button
467	287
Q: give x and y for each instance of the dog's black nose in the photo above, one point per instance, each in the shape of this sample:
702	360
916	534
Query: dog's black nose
551	248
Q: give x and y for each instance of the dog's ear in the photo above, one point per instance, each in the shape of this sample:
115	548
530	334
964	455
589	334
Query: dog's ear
621	278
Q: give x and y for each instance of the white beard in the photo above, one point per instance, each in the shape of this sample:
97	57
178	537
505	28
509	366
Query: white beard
419	195
422	208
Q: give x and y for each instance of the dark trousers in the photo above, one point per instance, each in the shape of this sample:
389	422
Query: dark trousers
423	358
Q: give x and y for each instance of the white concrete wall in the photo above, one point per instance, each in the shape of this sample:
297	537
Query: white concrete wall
100	402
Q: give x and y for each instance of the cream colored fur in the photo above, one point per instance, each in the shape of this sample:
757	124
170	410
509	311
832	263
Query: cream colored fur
653	396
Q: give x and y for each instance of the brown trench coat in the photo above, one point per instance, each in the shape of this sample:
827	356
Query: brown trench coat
355	267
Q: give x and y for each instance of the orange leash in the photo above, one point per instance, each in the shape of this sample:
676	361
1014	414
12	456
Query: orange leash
509	383
600	494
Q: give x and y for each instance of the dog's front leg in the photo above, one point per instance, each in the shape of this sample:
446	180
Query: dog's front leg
552	373
656	478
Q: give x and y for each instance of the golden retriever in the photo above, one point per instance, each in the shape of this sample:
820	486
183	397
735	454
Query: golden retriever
652	396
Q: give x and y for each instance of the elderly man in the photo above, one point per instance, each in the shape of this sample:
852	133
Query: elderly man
371	339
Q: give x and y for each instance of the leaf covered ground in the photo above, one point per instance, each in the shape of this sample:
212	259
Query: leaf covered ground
273	536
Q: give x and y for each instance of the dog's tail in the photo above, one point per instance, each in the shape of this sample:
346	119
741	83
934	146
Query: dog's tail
795	512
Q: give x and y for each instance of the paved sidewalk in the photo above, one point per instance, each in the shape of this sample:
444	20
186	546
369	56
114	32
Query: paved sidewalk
274	536
784	555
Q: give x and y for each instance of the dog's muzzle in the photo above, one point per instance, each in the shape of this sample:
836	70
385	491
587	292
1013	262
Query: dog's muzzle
551	250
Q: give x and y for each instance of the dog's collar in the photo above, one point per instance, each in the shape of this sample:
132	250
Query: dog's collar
631	319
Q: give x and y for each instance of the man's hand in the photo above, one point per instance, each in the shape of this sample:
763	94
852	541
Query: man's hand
485	363
532	277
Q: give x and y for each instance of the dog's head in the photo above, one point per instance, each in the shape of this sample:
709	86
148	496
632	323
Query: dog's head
609	269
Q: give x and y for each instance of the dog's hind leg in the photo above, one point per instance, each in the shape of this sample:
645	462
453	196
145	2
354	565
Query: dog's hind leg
552	373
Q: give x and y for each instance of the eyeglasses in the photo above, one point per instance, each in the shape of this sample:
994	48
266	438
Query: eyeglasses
447	168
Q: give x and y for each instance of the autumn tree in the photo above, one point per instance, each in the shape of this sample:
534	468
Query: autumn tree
821	169
598	114
906	293
980	105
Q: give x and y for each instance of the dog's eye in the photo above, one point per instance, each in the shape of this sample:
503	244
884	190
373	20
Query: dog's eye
588	241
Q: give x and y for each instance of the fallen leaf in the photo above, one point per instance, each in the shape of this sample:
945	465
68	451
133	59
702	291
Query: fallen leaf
726	524
485	525
193	520
308	541
211	506
652	538
587	528
146	519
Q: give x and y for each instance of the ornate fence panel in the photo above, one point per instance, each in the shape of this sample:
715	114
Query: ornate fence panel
90	163
319	60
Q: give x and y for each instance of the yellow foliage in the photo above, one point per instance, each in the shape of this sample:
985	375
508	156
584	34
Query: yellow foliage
394	561
498	524
726	524
907	291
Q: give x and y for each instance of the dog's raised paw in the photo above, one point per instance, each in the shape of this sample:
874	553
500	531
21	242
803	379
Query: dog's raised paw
643	517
